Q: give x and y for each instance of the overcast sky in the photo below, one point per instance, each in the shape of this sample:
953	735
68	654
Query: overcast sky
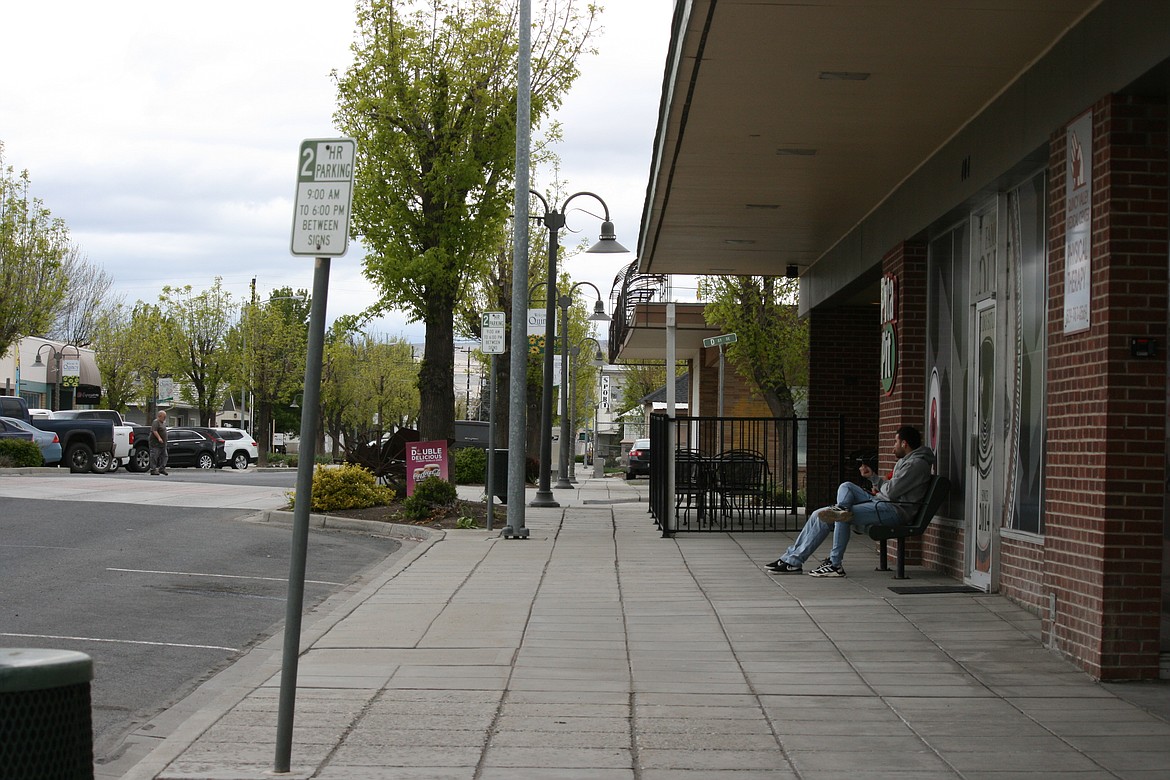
166	135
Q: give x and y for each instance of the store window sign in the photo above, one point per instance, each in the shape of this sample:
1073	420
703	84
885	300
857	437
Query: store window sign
889	314
1077	223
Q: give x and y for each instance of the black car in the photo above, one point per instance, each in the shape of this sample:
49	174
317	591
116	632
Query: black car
190	447
638	459
222	458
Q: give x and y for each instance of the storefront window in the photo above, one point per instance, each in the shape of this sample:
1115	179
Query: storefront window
947	359
1028	288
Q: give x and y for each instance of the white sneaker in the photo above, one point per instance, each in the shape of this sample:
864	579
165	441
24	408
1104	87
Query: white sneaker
834	514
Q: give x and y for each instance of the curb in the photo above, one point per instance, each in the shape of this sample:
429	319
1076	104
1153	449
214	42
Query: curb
412	533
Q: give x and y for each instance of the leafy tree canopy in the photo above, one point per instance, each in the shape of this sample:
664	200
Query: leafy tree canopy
772	347
431	100
33	249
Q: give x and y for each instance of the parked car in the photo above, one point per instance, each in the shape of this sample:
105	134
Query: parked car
125	436
638	459
49	442
80	439
239	447
189	447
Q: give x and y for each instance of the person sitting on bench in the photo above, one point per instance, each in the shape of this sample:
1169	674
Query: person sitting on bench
894	503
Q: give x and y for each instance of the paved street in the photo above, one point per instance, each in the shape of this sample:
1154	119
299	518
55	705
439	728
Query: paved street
160	595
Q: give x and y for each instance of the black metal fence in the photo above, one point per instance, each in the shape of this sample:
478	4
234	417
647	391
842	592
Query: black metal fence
736	473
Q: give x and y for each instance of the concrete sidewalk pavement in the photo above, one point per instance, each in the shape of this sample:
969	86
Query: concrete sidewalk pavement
597	649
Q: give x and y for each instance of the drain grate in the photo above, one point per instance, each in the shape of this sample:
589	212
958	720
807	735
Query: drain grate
910	590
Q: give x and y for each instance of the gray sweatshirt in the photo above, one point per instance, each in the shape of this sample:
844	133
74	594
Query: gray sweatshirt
906	487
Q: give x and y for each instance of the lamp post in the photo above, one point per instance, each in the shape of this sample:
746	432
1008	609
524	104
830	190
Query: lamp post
598	358
38	362
598	315
56	355
554	220
76	378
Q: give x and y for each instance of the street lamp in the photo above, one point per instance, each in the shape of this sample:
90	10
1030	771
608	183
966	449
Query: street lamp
56	355
598	315
554	220
38	362
597	357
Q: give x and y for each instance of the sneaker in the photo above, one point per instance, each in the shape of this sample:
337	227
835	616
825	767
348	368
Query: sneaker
154	473
827	570
781	567
164	472
834	514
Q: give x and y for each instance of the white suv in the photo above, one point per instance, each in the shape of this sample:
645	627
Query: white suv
239	447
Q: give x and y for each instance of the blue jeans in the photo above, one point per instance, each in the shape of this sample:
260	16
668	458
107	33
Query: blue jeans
866	512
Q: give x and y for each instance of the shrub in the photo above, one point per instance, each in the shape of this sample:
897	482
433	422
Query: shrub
470	466
20	453
347	487
429	494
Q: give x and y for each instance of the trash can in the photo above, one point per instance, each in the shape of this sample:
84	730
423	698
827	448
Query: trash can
500	476
46	727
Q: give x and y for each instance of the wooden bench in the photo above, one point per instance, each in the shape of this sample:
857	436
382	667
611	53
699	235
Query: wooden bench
936	493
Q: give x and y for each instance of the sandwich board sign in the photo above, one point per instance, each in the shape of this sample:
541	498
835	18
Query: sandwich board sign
324	195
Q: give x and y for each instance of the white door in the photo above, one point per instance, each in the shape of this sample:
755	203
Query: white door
980	524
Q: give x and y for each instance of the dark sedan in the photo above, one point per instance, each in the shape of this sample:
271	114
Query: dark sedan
638	459
221	456
189	447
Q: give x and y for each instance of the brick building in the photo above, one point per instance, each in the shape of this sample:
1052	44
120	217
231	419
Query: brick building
975	200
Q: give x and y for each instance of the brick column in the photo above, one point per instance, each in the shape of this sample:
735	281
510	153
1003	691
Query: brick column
906	402
844	355
1106	470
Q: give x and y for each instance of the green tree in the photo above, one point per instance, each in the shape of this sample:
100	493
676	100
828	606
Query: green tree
195	326
148	352
369	387
639	380
33	248
268	349
772	347
117	351
431	100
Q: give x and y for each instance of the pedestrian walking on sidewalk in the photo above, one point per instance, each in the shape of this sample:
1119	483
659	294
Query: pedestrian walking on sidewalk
892	502
158	445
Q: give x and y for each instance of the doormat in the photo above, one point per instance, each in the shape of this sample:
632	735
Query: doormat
915	589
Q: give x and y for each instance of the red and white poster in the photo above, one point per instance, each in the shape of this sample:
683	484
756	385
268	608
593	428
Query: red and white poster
424	460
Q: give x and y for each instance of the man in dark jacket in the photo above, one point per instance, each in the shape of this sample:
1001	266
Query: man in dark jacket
894	503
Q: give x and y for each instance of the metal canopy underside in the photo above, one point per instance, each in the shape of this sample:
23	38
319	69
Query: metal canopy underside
771	145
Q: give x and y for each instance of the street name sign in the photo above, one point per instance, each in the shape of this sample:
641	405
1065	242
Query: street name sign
492	333
715	341
324	196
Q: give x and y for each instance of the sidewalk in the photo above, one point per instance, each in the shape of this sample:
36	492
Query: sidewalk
597	649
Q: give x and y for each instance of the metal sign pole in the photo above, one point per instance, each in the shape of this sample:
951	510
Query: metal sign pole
491	453
300	535
321	216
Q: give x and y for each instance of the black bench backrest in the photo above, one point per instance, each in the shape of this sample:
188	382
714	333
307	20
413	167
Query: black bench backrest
936	493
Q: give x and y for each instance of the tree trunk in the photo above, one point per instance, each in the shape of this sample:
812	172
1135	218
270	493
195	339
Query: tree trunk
436	377
262	430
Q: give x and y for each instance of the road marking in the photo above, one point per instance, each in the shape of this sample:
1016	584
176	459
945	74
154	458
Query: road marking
122	641
225	576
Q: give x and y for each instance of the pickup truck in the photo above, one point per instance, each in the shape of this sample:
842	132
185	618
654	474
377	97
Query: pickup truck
126	439
80	439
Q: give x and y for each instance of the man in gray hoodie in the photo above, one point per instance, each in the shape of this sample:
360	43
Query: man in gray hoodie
894	501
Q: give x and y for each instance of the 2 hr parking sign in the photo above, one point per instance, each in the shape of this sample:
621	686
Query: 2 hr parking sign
324	194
